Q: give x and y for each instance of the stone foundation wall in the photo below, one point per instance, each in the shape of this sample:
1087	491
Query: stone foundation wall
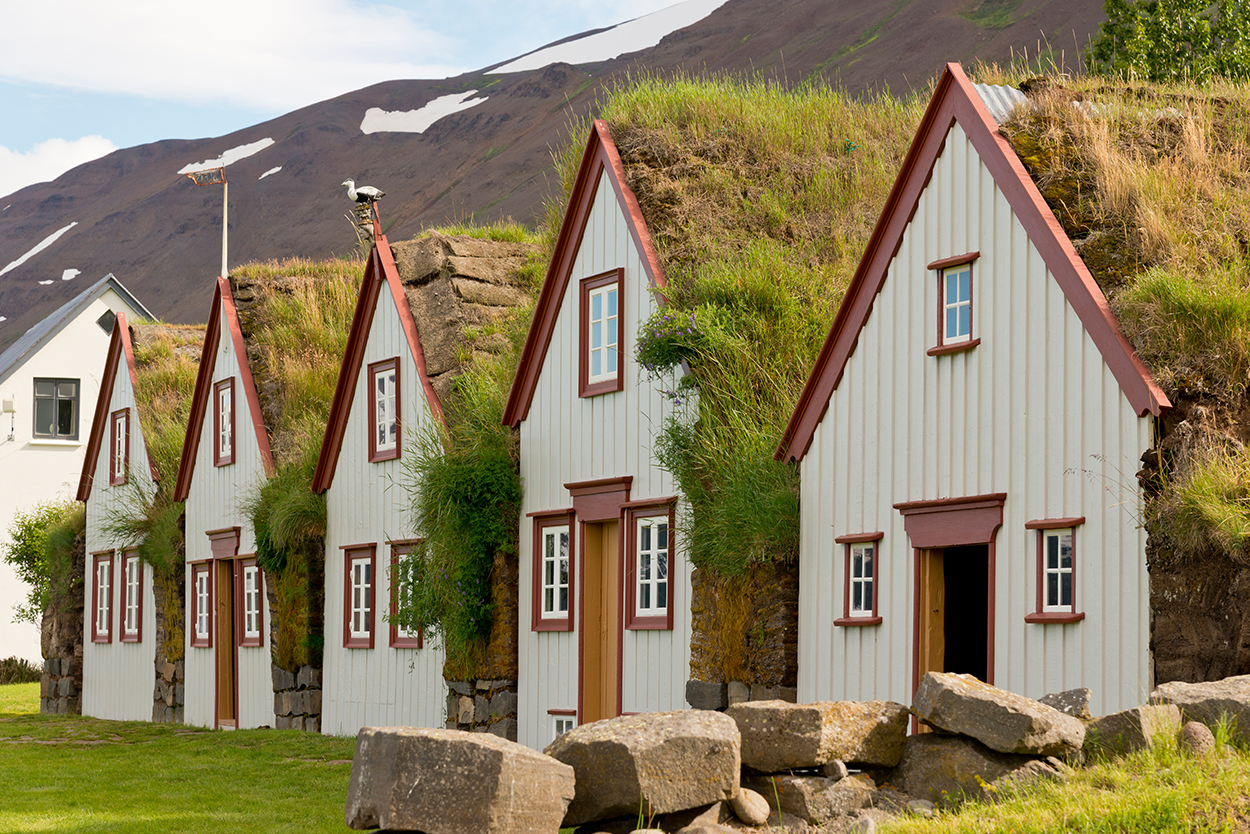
60	686
297	698
746	628
483	707
720	696
170	694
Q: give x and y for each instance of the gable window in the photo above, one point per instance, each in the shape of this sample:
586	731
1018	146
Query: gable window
553	571
955	322
406	560
223	422
358	562
56	409
1056	570
649	565
251	612
201	632
102	597
602	358
119	451
562	720
132	616
860	587
384	410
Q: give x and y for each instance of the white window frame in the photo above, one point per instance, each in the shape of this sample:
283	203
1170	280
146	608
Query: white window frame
862	576
650	580
607	328
1058	571
550	574
561	723
956	306
251	602
359	599
201	576
121	446
407	559
384	410
224	403
134	599
103	598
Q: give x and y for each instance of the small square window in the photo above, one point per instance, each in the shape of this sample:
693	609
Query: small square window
358	563
600	330
860	584
553	572
56	409
561	722
119	447
223	422
407	559
251	589
201	587
106	321
649	567
384	410
102	597
1056	570
132	617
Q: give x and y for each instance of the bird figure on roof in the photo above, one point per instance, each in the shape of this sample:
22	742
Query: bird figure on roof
364	194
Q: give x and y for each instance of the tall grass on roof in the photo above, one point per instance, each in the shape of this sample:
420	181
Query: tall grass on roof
760	201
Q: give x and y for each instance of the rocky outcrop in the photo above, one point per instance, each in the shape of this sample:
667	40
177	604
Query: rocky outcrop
447	782
656	762
1132	729
1001	720
779	736
948	769
1210	702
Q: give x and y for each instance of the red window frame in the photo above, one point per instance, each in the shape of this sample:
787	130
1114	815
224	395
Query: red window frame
354	553
240	608
96	635
542	521
585	388
204	568
635	510
376	454
398	550
220	459
847	542
940	266
115	478
1040	615
137	635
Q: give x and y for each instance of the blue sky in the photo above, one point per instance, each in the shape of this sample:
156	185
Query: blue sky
79	78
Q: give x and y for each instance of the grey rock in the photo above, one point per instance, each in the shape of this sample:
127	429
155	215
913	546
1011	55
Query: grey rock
1208	702
863	825
1073	702
1132	729
314	702
815	799
471	783
168	672
921	808
314	677
312	724
704	695
663	762
52	665
750	807
787	693
282	722
481	710
948	769
297	722
504	728
1197	739
180	693
1001	720
282	679
834	770
737	692
503	703
777	735
761	693
303	678
179	715
465	716
63	686
460	687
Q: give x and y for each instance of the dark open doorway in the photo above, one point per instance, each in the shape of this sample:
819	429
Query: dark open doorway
966	617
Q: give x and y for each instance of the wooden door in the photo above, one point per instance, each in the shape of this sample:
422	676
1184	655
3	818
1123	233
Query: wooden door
931	643
227	695
601	621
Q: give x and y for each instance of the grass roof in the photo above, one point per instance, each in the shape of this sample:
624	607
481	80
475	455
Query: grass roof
166	360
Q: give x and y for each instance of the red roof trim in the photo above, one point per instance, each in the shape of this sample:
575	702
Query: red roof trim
599	158
955	100
222	307
381	263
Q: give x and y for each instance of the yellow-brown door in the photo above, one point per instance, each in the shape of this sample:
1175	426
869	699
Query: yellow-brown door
601	621
227	653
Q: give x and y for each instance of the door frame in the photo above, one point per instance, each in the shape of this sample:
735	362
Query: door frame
225	547
952	522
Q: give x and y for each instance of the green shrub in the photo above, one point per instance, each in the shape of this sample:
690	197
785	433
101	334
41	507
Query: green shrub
38	550
18	670
1207	504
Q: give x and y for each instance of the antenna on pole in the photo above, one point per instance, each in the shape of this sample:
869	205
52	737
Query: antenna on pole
213	176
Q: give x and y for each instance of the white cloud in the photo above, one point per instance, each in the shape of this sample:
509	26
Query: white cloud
274	55
231	156
48	160
39	247
377	120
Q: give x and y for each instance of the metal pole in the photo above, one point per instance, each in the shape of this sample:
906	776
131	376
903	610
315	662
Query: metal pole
225	216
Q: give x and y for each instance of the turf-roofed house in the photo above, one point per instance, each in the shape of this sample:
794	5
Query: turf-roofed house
419	306
133	612
968	440
604	601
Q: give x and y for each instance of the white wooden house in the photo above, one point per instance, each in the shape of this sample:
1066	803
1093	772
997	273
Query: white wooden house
225	456
119	616
375	672
47	376
968	440
604	597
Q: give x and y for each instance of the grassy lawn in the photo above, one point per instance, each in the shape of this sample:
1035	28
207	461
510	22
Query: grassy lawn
75	774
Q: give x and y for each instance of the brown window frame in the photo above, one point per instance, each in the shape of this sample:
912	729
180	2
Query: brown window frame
353	553
1039	614
125	636
848	542
218	458
205	568
240	587
634	511
541	521
377	455
586	388
120	416
399	549
942	348
96	559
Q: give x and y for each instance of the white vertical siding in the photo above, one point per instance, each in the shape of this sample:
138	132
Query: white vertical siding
118	678
214	502
1033	411
566	439
368	503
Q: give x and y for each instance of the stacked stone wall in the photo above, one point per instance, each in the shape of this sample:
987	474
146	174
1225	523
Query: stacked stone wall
297	698
483	706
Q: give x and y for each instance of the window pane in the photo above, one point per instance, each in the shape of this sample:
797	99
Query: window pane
612	302
867	563
661	595
549	572
965	285
596	363
1065	551
965	320
1052	552
549	545
1065	588
596	307
564	599
65	417
867	583
952	321
1052	589
564	569
548	598
952	289
67	390
662	533
44	411
857	563
661	566
611	331
644	567
644	537
645	598
44	388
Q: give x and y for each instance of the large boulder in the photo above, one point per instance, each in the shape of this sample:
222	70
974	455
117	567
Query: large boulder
1001	720
815	799
656	763
451	782
949	769
1073	702
1132	729
777	735
1208	702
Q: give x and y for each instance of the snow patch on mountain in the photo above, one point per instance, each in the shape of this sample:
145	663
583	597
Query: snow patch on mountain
45	283
39	247
377	120
68	275
270	171
229	157
631	36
